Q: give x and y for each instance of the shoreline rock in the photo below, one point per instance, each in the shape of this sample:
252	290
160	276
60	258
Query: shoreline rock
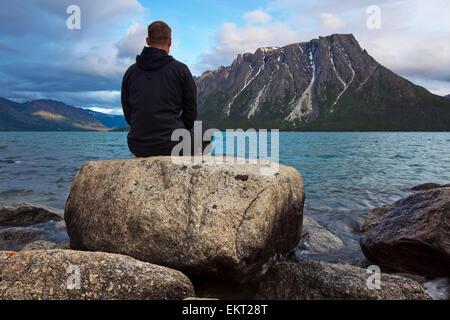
314	280
223	221
53	274
412	235
429	186
317	239
16	238
25	214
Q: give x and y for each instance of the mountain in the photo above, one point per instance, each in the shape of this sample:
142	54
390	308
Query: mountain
124	129
109	120
329	83
45	115
447	96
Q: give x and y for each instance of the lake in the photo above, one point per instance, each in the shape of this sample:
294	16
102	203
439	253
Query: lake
345	174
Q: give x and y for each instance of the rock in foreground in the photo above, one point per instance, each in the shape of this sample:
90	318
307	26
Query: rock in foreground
313	280
411	235
52	275
220	220
25	214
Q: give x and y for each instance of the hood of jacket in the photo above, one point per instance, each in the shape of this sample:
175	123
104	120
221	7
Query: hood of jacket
152	59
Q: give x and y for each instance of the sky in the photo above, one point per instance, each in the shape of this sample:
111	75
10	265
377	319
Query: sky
42	58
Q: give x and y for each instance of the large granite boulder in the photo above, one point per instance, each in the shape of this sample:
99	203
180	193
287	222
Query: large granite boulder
25	214
221	220
65	274
314	280
411	235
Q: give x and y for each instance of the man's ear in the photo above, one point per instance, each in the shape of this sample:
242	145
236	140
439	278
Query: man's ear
170	43
148	41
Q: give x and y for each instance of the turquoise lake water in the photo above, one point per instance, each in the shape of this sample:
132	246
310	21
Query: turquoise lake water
345	174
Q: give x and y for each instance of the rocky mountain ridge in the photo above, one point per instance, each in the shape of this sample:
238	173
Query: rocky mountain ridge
48	115
330	83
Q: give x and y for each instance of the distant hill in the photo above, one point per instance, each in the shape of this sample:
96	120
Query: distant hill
46	115
109	120
124	129
447	96
328	84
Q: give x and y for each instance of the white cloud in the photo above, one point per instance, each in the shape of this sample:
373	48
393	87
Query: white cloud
330	21
414	39
231	40
441	88
116	111
422	56
100	61
257	16
133	41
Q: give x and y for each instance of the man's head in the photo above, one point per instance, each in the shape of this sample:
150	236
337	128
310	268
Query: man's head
159	36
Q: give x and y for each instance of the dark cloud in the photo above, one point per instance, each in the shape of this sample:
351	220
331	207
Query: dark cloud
41	58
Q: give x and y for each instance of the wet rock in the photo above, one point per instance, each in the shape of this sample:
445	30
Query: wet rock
64	275
314	280
438	289
14	239
317	239
411	235
25	214
429	186
200	220
320	244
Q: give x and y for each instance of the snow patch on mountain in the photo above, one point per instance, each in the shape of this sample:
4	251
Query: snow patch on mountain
304	105
347	85
246	84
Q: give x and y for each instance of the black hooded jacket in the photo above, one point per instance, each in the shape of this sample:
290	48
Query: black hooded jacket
159	95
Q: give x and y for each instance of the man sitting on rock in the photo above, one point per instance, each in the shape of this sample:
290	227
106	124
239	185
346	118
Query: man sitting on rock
159	96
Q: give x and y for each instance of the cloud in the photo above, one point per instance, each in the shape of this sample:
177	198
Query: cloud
41	58
441	88
132	42
257	16
231	39
414	39
330	21
105	110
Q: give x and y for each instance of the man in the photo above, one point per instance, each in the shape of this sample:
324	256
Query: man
159	96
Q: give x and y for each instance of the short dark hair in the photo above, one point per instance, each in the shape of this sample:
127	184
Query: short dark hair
159	33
